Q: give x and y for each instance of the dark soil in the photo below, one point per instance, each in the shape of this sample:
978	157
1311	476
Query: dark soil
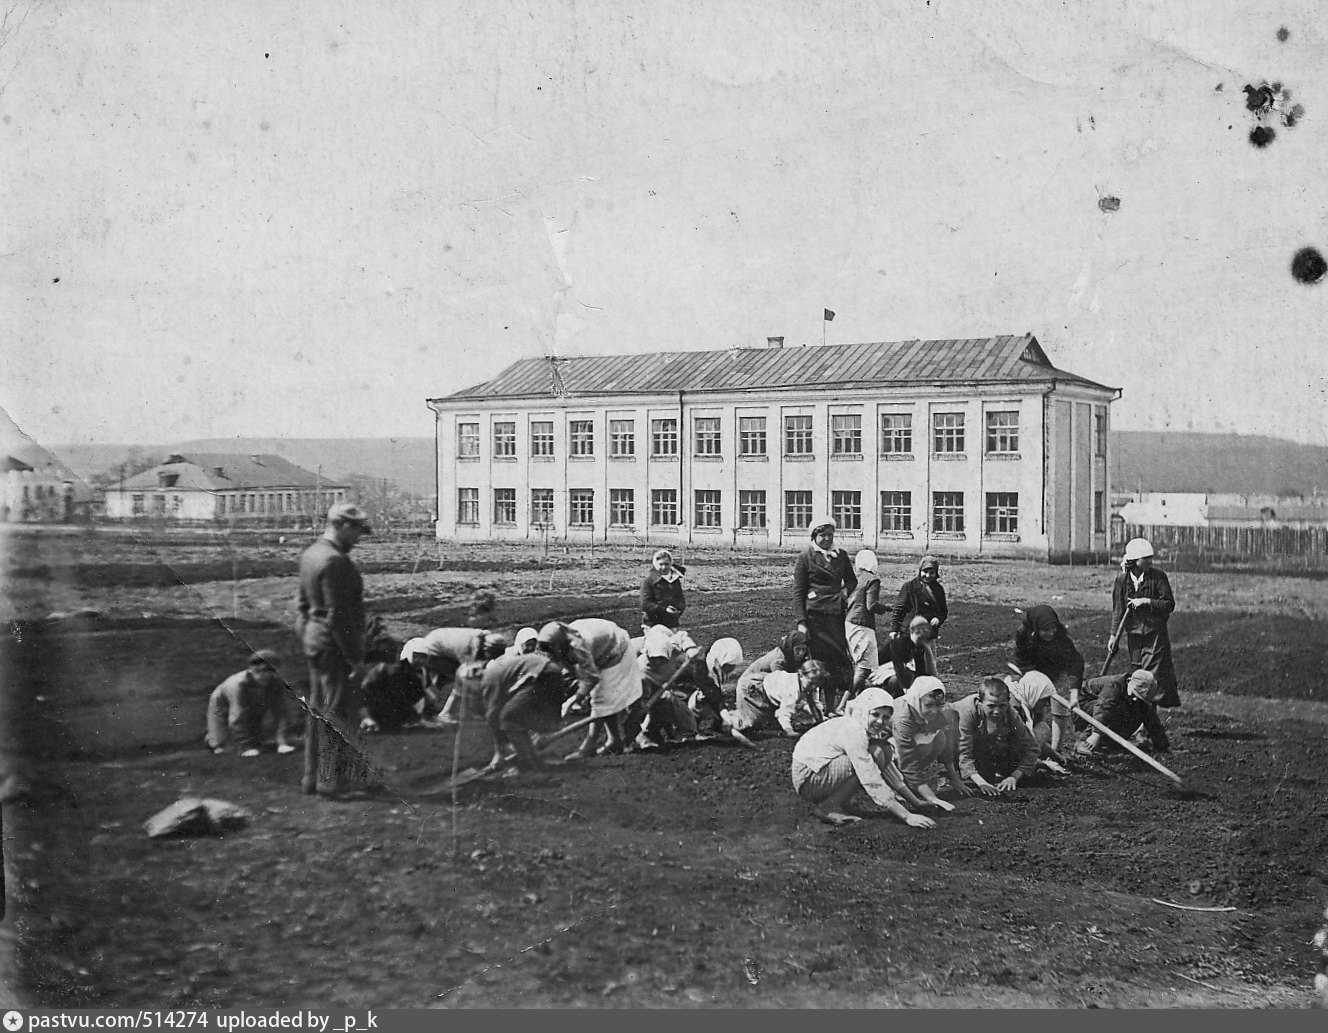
687	877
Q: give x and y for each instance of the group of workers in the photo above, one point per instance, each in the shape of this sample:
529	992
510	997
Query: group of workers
875	727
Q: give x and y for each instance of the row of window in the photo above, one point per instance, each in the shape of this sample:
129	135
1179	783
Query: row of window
245	502
947	509
896	435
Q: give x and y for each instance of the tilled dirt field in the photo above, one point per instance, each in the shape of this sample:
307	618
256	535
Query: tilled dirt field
689	877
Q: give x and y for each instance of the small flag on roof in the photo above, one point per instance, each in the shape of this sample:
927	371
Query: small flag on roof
829	315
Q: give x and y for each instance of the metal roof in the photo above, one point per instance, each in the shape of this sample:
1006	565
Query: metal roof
199	471
1000	359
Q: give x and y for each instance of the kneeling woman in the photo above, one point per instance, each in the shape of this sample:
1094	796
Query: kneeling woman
838	758
926	732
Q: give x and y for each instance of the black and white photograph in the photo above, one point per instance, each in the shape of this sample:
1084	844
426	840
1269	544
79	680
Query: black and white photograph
594	504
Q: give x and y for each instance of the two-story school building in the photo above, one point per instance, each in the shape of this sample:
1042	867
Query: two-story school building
962	447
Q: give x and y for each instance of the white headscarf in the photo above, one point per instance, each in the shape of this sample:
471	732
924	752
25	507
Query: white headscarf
1031	689
865	560
415	645
658	642
921	688
869	699
725	652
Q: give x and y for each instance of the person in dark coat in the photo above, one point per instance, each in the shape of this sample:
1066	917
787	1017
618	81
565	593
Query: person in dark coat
523	693
1124	703
904	658
1042	643
996	750
662	599
1142	599
922	596
823	581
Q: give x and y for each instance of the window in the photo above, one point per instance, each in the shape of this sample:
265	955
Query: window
1100	432
541	437
751	509
1003	431
706	429
1002	512
947	511
581	507
504	505
948	432
468	440
541	507
664	507
468	505
798	436
896	432
582	434
707	508
622	438
846	509
751	435
846	435
896	511
504	439
1099	512
136	504
622	507
663	437
797	510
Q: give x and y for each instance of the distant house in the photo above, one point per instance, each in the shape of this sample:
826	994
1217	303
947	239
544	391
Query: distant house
224	487
1226	509
36	490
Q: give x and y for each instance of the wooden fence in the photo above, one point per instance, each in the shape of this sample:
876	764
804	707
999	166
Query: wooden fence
1273	549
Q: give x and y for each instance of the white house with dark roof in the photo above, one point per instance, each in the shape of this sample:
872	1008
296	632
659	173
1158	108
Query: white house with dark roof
959	447
231	488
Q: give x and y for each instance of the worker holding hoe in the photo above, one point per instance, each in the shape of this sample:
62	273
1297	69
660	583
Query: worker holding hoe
1141	606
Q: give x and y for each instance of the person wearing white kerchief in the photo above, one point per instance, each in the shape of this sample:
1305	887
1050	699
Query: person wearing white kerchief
526	641
926	733
860	620
838	758
1032	697
602	658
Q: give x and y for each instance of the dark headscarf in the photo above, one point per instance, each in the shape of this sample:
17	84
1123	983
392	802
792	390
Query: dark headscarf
1041	618
795	650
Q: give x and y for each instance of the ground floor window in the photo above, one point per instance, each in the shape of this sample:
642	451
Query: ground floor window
751	509
947	511
581	507
797	510
896	511
846	510
1002	512
664	507
541	507
468	505
504	505
622	507
707	508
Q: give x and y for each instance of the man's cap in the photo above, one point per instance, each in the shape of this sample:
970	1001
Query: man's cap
1145	685
348	513
264	656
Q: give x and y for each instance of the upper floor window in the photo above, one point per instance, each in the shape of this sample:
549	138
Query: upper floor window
1003	431
846	435
468	439
504	438
797	435
948	432
541	437
751	435
622	438
664	437
706	429
582	436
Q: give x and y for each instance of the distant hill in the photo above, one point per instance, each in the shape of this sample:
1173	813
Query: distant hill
1216	463
408	462
1160	460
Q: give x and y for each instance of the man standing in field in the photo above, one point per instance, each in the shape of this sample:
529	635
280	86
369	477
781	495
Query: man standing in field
331	626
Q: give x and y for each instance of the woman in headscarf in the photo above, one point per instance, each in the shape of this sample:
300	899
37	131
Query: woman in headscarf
1032	697
602	659
849	754
823	581
860	621
1141	605
789	655
1041	643
662	599
922	596
526	641
926	732
723	660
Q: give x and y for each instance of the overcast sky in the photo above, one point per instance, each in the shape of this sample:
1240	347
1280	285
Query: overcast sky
304	219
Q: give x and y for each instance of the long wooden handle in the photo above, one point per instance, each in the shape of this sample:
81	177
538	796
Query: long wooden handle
1115	644
1124	742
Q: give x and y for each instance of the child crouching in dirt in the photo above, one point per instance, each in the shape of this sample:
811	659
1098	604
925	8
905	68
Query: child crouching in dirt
1124	703
523	693
238	705
850	754
996	751
1033	698
926	732
778	698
